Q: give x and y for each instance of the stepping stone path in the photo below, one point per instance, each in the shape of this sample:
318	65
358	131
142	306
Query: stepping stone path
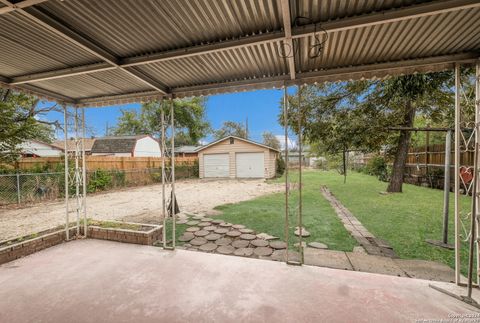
248	236
198	241
278	245
225	250
206	219
193	222
213	236
246	230
244	252
240	244
233	234
187	236
304	244
305	233
238	226
223	241
198	217
263	251
182	221
225	225
259	243
317	245
221	230
192	229
201	233
217	221
210	228
265	236
204	224
208	247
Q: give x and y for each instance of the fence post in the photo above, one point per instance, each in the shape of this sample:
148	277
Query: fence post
18	189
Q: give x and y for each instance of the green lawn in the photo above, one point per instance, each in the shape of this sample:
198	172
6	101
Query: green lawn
405	219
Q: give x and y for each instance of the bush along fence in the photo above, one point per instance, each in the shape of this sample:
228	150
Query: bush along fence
23	188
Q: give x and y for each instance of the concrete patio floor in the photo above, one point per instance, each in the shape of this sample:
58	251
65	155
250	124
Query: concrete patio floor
101	281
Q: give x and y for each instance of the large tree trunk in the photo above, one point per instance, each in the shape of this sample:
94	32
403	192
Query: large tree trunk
398	172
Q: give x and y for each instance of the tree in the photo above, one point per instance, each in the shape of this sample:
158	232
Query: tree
356	115
21	120
231	128
190	120
270	140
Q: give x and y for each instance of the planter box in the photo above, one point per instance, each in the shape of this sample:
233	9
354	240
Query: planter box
147	234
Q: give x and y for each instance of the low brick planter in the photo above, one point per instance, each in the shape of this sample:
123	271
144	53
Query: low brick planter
147	234
24	248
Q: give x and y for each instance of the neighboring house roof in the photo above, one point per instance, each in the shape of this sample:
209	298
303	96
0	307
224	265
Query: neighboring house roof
238	138
71	144
28	147
120	144
187	149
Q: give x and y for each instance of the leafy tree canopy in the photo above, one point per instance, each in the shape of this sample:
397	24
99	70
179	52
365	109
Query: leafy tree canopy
270	140
230	128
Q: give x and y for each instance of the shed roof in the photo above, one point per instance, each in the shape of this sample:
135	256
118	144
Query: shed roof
238	138
93	53
121	144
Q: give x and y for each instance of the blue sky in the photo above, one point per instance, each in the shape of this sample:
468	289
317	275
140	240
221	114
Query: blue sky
261	107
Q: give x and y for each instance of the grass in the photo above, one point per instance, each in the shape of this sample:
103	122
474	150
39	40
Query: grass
405	219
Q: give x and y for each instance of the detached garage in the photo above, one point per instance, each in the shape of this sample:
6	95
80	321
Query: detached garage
234	157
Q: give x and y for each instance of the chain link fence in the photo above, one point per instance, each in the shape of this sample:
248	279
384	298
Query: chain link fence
27	188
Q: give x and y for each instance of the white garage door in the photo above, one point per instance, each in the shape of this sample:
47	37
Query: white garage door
250	165
216	165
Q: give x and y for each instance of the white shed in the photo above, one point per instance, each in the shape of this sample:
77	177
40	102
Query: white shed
127	146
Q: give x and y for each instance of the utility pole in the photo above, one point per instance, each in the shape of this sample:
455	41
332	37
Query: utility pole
246	128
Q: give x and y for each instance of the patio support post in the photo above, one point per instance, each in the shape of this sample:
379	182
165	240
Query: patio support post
173	198
65	136
477	143
84	177
457	171
285	122
300	160
446	185
162	148
77	171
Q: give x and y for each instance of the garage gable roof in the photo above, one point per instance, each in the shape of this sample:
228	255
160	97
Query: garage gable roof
238	138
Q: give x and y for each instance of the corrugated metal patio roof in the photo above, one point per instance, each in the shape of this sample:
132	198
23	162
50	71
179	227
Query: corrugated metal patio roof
92	53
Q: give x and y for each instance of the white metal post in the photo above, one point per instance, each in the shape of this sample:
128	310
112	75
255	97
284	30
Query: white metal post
65	135
287	188
77	173
174	207
457	171
164	204
84	177
300	160
477	142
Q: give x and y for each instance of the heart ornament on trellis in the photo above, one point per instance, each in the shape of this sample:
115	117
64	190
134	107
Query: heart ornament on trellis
466	175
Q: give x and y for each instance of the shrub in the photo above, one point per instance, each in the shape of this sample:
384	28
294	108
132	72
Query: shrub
280	167
100	181
377	166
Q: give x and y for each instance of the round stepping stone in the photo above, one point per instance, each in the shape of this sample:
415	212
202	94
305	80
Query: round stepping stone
192	229
201	233
187	245
238	226
240	243
221	230
245	230
198	241
207	220
223	241
217	221
279	255
226	250
304	244
317	245
192	222
259	243
233	234
225	225
278	244
248	236
244	252
210	228
266	236
204	224
209	247
263	251
198	217
182	221
305	233
213	236
187	236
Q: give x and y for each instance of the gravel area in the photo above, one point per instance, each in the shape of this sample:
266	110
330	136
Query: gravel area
141	204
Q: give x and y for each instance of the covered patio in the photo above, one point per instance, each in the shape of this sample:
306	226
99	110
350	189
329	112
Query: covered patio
85	54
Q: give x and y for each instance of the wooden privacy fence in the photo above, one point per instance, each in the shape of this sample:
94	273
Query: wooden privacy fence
434	155
107	162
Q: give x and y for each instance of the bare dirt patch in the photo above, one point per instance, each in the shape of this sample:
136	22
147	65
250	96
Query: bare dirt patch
141	204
